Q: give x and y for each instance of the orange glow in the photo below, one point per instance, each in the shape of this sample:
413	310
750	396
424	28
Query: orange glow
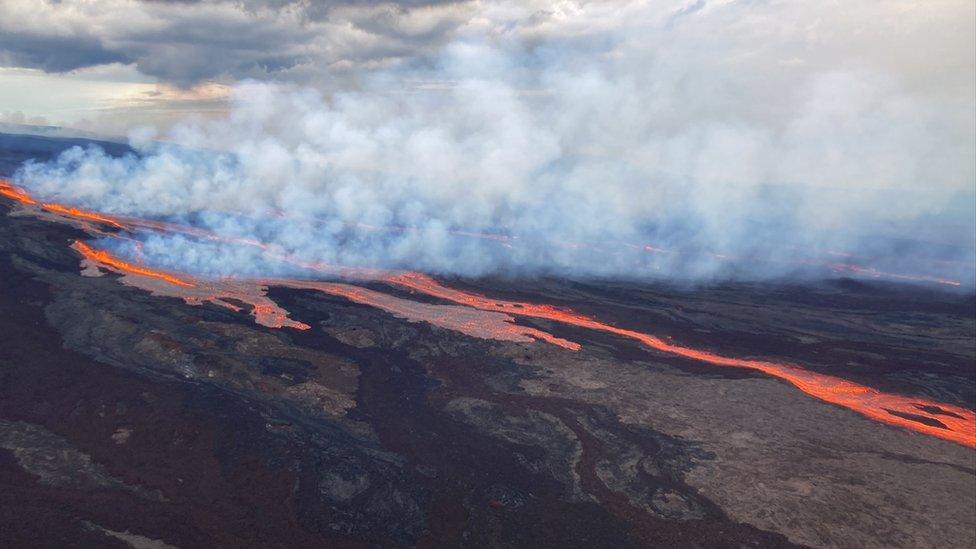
224	293
959	423
105	258
473	322
16	193
20	195
81	214
947	422
272	316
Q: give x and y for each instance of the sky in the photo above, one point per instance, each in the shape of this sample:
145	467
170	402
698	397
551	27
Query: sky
113	64
751	128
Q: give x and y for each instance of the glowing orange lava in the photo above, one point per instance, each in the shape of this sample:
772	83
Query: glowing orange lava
129	223
959	423
81	214
224	293
227	292
15	193
473	322
105	258
944	421
271	315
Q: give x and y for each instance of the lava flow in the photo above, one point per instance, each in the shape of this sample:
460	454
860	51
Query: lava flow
494	321
227	292
131	224
104	258
224	293
15	193
81	214
473	322
24	198
944	421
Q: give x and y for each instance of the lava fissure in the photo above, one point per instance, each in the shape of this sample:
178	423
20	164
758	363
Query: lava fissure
960	423
495	319
16	193
131	224
104	258
81	214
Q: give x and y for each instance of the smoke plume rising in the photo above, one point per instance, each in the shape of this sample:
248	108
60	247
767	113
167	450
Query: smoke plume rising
688	144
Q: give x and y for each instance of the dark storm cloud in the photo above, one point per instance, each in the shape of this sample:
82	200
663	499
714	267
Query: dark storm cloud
188	41
55	53
188	49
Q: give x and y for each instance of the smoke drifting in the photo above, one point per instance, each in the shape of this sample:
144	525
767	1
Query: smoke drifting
686	145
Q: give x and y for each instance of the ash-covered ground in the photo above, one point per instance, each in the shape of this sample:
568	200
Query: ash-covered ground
128	419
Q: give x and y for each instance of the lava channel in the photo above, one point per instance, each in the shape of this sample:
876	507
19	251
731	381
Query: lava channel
16	193
944	421
227	292
224	293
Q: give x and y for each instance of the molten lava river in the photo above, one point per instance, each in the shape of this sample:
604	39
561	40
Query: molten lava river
468	313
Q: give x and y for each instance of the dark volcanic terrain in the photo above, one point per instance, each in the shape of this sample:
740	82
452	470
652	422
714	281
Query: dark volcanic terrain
131	419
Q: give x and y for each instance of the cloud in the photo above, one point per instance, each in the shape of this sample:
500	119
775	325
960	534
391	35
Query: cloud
56	53
185	42
737	139
732	146
17	118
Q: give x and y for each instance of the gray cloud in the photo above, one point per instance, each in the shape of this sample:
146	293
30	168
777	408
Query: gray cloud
56	53
185	42
738	139
734	148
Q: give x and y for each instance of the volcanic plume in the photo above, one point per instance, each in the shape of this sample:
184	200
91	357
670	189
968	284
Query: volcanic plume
567	160
944	421
440	273
477	316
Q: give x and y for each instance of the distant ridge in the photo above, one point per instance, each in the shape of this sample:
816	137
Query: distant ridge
58	131
17	148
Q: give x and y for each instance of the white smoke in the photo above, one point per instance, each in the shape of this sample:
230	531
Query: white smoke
692	131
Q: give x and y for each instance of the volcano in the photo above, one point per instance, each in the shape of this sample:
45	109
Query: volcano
358	406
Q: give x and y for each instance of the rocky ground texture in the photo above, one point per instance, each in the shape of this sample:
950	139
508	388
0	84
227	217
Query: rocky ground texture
128	419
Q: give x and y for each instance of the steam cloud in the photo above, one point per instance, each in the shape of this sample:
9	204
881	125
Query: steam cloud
675	130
